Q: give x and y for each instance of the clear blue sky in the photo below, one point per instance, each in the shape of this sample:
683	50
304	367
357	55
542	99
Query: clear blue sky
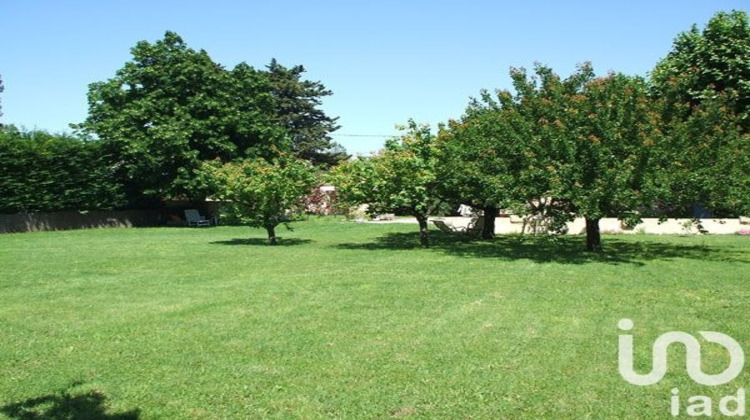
386	61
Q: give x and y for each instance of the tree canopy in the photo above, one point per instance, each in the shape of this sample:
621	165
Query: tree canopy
614	143
172	107
574	147
705	63
296	105
612	146
260	193
400	178
507	150
709	163
703	90
479	158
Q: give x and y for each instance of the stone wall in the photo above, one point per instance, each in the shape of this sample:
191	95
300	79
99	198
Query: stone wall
515	224
31	222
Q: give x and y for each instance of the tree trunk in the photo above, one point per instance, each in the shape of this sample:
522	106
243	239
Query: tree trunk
593	235
488	230
271	235
424	236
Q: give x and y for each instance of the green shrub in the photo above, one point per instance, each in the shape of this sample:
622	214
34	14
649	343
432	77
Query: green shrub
50	172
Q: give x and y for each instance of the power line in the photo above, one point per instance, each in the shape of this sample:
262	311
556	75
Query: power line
364	135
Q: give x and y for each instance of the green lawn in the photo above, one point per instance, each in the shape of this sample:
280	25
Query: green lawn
348	321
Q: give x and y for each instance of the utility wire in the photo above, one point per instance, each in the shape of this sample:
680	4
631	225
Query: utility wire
363	135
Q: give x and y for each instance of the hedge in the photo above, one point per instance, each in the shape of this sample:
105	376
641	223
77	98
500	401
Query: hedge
42	172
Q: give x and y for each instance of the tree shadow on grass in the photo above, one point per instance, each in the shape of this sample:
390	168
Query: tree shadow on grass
263	241
67	405
562	249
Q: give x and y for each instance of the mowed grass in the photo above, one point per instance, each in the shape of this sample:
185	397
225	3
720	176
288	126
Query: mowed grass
352	321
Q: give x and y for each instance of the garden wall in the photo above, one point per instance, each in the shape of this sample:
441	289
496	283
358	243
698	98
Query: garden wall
668	227
514	224
31	222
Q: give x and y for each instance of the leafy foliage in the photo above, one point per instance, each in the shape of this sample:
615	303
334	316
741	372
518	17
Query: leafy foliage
45	172
593	143
703	87
710	162
400	178
579	146
478	159
172	107
614	137
354	182
506	150
296	105
261	193
704	63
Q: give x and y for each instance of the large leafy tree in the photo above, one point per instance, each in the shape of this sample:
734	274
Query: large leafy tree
260	193
297	107
542	110
579	146
705	63
171	107
479	159
614	151
703	87
506	151
709	162
400	178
